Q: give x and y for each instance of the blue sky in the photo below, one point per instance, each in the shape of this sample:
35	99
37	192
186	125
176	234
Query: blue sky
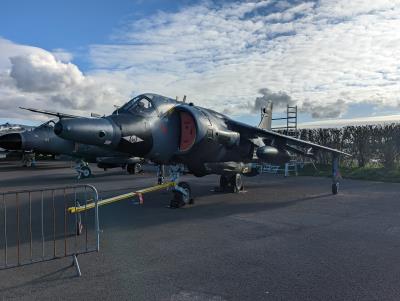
72	24
337	60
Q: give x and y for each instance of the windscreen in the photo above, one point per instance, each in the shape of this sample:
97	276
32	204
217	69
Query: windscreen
49	123
141	104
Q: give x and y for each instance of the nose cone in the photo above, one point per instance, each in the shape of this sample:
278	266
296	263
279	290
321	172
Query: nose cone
11	141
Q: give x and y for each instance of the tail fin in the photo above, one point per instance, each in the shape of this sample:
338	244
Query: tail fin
266	116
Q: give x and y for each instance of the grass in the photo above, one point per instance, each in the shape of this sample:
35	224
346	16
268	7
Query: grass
369	173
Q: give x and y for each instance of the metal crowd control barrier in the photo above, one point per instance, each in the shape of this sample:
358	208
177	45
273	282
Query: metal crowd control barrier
36	226
90	205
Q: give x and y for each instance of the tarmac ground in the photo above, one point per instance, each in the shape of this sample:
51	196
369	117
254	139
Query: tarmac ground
280	239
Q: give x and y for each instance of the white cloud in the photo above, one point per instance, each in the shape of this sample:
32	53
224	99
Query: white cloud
323	55
33	77
8	49
279	99
62	55
385	119
43	73
328	53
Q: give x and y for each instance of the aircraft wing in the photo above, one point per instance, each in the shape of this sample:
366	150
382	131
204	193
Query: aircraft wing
253	133
57	114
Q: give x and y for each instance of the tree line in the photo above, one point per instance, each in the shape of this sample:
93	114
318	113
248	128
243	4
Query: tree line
368	144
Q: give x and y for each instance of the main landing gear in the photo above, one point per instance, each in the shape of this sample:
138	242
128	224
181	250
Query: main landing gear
83	169
231	183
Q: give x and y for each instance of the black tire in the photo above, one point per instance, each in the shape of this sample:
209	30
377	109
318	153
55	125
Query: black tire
186	186
138	168
236	183
132	168
223	183
179	200
86	172
335	188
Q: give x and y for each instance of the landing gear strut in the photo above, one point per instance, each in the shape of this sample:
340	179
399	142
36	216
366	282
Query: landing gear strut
232	183
160	174
335	174
182	193
83	169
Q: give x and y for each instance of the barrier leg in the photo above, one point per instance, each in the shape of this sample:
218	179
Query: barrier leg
76	264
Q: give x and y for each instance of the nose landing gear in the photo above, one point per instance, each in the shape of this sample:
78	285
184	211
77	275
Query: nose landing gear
182	193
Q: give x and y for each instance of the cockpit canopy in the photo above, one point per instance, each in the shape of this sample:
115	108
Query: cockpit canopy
146	104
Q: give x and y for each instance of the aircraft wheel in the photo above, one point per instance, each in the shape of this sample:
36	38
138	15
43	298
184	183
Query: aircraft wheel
180	199
138	168
134	168
236	183
189	199
335	188
223	183
86	172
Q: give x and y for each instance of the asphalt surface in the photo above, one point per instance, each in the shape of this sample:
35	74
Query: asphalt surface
281	239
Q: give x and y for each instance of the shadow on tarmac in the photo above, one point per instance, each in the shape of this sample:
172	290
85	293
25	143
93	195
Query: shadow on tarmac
60	274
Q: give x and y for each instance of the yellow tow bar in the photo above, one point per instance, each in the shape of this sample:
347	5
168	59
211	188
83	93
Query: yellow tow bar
121	197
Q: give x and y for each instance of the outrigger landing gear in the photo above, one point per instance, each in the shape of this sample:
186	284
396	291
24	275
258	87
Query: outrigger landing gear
232	183
83	169
182	193
335	174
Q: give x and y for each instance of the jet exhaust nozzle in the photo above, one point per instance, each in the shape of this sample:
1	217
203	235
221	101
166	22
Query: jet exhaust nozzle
11	141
